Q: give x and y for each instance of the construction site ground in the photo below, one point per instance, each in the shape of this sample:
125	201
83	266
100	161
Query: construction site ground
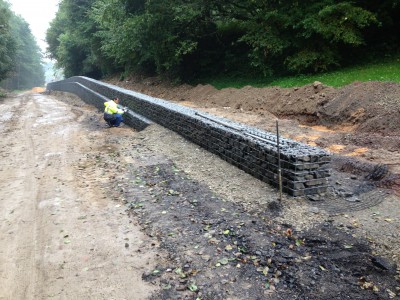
90	212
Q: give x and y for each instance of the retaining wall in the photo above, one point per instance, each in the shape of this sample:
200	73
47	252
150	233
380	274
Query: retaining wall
305	169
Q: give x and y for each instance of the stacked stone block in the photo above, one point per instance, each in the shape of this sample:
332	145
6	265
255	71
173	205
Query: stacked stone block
305	169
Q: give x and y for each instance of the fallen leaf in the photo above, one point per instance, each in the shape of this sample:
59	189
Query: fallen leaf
228	248
180	273
193	287
155	272
223	261
391	294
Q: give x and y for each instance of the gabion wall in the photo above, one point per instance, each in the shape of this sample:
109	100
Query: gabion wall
305	169
89	96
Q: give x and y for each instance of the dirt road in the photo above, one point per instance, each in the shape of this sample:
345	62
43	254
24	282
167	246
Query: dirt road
60	235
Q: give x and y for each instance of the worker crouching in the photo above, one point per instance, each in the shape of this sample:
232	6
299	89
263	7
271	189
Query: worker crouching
113	112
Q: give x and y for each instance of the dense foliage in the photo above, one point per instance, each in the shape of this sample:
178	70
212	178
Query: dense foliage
20	56
7	42
188	39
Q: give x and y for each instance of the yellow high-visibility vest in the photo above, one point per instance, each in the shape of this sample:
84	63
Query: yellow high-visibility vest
112	108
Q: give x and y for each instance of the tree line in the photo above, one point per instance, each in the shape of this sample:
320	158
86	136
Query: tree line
190	39
20	56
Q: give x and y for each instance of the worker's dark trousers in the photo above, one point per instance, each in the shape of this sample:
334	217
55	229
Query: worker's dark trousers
113	119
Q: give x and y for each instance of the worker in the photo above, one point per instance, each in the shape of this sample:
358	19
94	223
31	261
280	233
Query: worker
113	112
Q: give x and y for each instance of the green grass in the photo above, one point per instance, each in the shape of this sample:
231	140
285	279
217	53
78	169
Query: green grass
388	70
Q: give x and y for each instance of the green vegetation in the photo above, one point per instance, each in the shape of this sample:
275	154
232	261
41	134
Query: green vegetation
387	70
188	40
7	42
20	56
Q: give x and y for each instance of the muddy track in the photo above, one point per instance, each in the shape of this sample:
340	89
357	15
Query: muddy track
59	238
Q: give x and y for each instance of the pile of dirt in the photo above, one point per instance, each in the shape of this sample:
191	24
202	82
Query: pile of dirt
38	89
367	107
374	107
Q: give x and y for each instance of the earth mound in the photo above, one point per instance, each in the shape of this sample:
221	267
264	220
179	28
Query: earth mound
365	107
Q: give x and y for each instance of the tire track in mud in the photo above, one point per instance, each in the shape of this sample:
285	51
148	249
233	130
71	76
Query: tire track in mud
22	198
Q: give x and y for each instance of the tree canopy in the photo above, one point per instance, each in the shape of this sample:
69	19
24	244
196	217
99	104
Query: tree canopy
188	39
20	56
7	42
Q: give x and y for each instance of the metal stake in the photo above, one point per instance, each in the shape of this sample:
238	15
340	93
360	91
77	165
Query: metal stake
279	161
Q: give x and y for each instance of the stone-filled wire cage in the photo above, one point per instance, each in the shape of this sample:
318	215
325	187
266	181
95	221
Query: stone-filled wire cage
305	170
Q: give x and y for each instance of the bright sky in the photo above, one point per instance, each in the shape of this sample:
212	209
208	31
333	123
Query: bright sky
38	13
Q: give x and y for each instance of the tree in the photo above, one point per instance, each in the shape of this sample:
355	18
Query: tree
188	39
72	40
28	68
22	56
170	37
307	36
7	41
